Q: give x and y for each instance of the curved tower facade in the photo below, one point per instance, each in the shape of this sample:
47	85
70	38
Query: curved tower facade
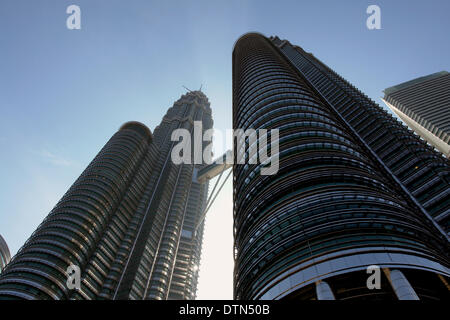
5	256
311	230
169	267
424	105
420	171
126	223
87	227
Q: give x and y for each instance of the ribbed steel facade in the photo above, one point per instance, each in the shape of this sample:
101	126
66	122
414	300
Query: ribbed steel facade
333	208
121	222
172	249
4	253
424	173
424	104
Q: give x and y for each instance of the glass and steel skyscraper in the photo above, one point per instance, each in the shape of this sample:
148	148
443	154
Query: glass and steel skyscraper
354	188
128	221
4	253
424	105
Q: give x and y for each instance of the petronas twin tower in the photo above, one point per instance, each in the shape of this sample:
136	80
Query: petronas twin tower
355	190
128	223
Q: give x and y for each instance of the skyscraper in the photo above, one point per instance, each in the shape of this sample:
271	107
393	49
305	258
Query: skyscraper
127	223
354	188
4	253
424	105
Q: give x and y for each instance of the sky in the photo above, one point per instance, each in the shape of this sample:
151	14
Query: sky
64	93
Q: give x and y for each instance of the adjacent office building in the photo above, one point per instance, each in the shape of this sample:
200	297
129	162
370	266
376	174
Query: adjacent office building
130	222
424	105
355	188
5	256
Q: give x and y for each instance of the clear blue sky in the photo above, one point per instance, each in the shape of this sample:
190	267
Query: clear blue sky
63	92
